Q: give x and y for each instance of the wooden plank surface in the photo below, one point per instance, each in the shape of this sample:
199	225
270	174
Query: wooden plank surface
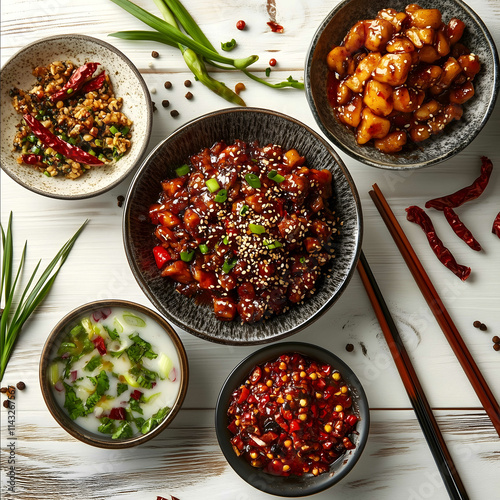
185	460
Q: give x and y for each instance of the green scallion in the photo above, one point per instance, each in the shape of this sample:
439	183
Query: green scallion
203	248
187	256
221	196
72	140
274	176
32	138
243	210
183	170
225	240
125	130
253	180
212	185
229	264
113	130
256	228
69	91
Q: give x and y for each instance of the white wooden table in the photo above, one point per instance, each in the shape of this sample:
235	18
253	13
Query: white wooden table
185	460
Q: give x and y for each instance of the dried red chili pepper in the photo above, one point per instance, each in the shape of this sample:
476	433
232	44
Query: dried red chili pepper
94	84
496	225
275	27
418	216
62	147
460	229
75	82
32	159
465	194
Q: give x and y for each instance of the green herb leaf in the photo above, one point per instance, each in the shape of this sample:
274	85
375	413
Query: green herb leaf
156	419
135	406
72	403
113	334
228	46
94	362
107	425
124	431
121	388
257	228
268	71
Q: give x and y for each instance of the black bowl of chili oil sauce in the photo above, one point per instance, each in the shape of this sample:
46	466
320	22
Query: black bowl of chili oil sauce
292	419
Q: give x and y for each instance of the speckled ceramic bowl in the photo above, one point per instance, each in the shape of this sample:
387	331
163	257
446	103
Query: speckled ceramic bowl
455	137
292	486
49	352
127	83
249	125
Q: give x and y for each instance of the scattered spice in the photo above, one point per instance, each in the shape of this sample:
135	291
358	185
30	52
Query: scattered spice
275	27
6	404
154	54
495	339
21	386
174	113
460	229
167	85
3	390
187	83
154	106
153	90
476	324
189	96
418	216
272	62
241	25
496	225
165	103
349	347
496	347
363	349
483	327
465	194
239	87
120	199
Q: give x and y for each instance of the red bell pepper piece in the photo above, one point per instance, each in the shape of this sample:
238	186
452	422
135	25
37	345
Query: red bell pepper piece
161	256
136	395
117	413
62	147
100	345
32	159
75	82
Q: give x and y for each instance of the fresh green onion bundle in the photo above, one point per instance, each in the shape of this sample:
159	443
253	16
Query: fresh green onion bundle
10	325
195	46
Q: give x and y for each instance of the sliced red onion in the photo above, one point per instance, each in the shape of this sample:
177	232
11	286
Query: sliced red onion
172	375
65	355
59	386
101	314
74	375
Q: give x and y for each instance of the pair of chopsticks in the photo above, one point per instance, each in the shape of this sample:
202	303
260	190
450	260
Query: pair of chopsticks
418	400
438	309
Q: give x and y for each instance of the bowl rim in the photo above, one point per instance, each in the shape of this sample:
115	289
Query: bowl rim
241	370
59	414
365	158
126	222
149	116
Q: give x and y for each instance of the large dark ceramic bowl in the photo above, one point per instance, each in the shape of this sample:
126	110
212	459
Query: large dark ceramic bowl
248	125
455	137
292	486
61	416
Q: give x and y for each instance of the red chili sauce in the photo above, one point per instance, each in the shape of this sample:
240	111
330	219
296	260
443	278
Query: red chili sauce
292	416
245	226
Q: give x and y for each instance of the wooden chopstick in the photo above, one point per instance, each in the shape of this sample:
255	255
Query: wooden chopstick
418	400
437	307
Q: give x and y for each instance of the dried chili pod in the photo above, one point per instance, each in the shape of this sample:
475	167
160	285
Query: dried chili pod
32	159
465	194
75	82
496	225
62	147
460	229
94	84
418	216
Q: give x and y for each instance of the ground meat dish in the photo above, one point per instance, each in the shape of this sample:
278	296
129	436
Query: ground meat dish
247	227
91	121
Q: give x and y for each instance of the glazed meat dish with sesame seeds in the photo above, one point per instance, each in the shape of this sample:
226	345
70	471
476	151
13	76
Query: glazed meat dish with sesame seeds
246	227
401	77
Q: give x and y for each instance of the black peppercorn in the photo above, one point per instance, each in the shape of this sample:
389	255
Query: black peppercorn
174	113
154	54
21	386
167	85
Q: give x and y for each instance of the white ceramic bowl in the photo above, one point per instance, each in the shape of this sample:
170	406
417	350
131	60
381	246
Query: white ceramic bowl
127	83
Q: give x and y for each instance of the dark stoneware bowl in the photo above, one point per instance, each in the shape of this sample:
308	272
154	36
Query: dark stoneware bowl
455	137
246	124
52	344
292	486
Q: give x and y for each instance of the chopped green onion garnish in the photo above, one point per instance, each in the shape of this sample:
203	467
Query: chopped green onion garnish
228	46
225	240
221	196
274	176
46	173
271	245
302	260
59	156
253	180
91	152
72	140
113	130
179	172
98	142
32	138
257	228
229	264
69	91
187	256
203	248
244	209
212	185
102	157
125	130
35	150
268	71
